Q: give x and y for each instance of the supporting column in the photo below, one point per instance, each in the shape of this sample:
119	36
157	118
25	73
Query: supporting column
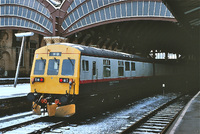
154	56
166	55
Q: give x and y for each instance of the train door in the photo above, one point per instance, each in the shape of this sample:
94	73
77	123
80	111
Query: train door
94	71
94	77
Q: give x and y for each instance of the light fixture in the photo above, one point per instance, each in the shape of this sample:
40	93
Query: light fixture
23	35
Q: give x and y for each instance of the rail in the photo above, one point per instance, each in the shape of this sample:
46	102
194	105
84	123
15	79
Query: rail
13	122
11	80
157	121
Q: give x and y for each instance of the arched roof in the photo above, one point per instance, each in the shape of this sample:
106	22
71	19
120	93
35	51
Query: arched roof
64	17
31	15
81	14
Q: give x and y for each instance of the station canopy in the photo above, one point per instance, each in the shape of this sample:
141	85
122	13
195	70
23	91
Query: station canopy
134	26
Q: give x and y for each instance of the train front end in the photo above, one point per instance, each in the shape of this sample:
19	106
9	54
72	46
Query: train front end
54	80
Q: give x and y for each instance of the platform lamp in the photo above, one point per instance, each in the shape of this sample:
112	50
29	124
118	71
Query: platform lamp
23	35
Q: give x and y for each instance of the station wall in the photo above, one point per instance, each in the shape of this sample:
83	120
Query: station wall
9	52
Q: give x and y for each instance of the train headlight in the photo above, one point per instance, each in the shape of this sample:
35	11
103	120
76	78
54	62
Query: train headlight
64	80
38	79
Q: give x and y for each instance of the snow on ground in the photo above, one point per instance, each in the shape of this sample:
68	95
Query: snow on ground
8	91
119	119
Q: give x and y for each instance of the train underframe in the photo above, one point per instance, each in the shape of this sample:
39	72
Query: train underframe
53	104
103	96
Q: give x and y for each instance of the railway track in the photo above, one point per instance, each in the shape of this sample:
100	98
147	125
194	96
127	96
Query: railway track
36	127
106	123
11	123
157	121
29	123
149	121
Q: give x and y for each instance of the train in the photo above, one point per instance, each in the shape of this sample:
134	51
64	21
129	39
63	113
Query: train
66	76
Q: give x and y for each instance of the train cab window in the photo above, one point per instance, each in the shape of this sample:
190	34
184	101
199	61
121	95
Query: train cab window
120	68
85	65
68	67
127	66
106	68
132	66
39	67
53	67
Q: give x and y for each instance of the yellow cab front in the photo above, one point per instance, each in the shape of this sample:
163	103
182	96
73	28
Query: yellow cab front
55	80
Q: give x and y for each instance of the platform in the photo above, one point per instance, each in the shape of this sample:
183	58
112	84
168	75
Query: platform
8	91
188	122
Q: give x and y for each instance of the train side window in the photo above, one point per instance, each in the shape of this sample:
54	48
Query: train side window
85	65
106	68
120	68
127	66
132	66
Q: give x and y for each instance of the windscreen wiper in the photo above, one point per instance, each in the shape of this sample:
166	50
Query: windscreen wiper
56	60
71	61
43	60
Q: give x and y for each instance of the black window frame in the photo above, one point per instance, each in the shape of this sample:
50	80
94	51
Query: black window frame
127	66
106	66
85	65
132	67
120	68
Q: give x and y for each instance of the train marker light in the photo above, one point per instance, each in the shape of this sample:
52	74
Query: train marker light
63	80
41	79
38	79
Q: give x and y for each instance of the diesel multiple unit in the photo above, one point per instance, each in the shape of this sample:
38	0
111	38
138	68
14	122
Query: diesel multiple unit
66	75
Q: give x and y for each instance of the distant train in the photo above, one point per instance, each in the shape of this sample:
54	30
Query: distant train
65	75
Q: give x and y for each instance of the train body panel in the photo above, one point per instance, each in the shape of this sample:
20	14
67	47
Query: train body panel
63	72
117	69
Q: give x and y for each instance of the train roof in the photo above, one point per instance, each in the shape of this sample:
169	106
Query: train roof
97	52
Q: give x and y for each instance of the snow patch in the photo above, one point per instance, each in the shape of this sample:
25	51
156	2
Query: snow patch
8	91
